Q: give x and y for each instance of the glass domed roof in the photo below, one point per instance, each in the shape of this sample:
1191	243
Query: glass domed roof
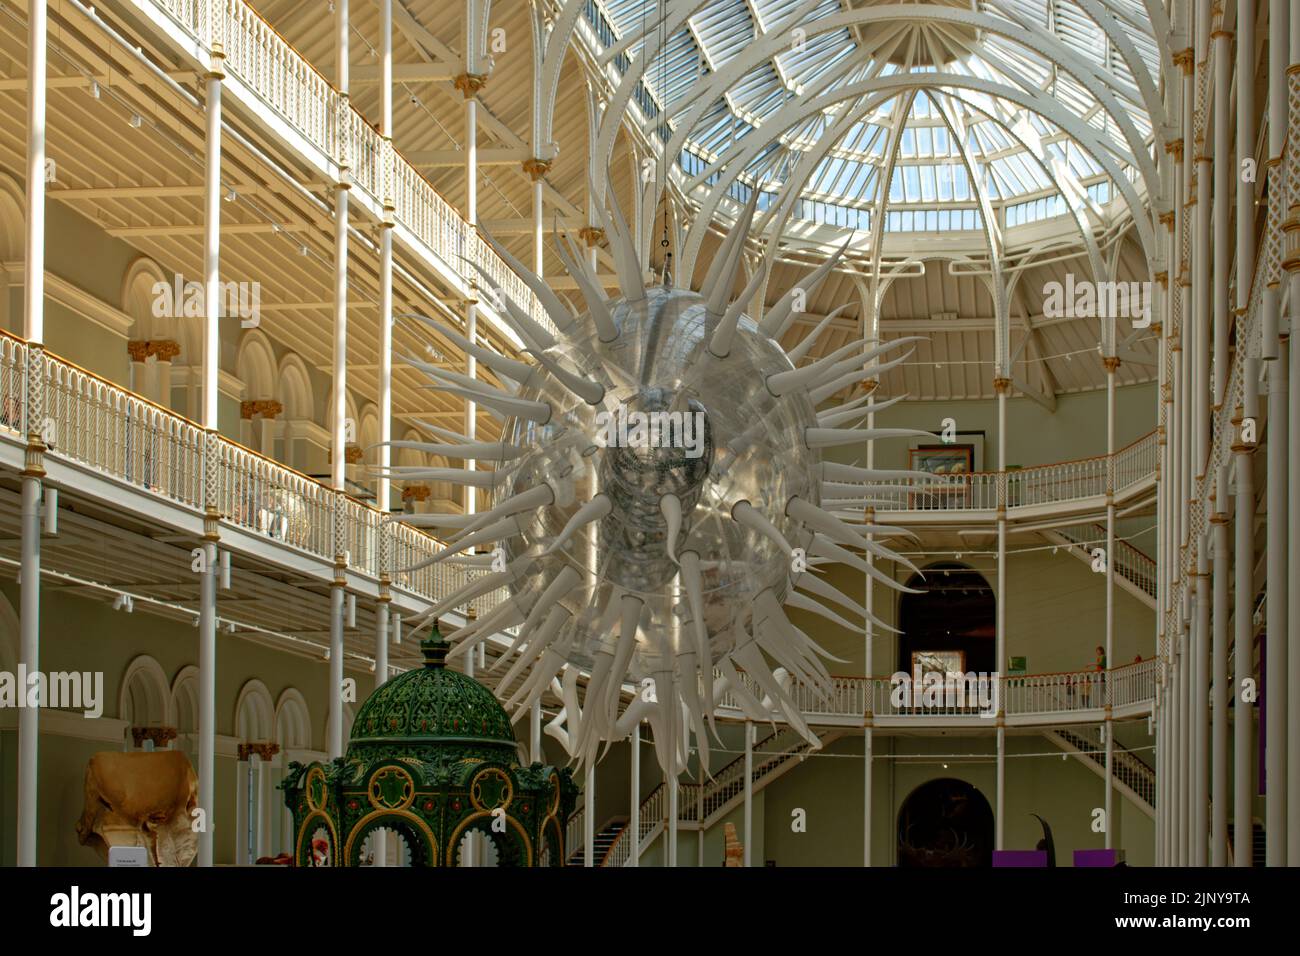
927	117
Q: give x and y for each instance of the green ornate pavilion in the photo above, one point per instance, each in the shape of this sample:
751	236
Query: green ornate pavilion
432	757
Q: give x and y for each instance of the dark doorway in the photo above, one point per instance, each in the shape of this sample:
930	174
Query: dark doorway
955	619
945	823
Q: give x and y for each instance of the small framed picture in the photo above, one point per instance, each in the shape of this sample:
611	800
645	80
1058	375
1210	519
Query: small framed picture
948	462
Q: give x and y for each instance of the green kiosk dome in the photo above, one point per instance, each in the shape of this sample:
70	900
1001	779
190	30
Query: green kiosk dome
432	756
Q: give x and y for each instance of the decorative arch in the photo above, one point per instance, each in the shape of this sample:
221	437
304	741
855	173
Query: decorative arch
292	721
13	240
294	389
946	823
255	365
419	838
954	613
184	700
255	713
145	698
9	631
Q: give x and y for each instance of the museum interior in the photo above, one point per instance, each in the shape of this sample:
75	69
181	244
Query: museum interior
341	340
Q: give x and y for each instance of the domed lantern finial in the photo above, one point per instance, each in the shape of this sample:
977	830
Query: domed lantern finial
435	647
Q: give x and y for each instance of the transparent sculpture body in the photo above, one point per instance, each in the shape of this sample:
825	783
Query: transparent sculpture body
754	451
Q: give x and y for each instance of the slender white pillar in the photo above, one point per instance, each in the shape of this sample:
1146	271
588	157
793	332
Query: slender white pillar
1001	385
33	472
673	792
634	826
1219	682
589	817
338	446
471	312
1201	708
1112	364
749	791
211	363
535	733
1292	265
1243	650
1275	670
383	491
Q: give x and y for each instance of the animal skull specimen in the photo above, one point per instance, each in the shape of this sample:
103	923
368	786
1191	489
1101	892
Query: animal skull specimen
141	799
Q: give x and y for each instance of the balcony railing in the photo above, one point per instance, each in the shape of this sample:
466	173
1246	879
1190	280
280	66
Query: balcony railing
105	428
296	93
1026	695
1059	483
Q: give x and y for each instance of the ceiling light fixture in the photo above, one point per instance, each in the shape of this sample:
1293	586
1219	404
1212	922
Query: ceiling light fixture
136	120
94	89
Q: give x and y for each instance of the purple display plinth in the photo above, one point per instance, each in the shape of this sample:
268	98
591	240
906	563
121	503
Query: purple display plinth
1020	858
1098	857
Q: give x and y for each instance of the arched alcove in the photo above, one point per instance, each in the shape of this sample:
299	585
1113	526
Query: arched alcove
945	823
184	708
145	698
951	624
9	631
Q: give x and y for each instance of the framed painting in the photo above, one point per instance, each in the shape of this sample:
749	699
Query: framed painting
947	462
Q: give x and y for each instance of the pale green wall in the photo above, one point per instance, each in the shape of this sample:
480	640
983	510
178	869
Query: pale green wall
82	635
1035	436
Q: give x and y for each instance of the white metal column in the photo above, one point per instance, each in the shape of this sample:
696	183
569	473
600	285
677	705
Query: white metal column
338	445
1219	609
211	362
33	472
634	824
749	791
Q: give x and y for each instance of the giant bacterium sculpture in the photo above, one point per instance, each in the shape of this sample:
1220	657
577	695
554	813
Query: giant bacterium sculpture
645	562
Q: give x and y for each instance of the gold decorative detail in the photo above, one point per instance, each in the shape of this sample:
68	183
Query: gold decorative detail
380	790
352	454
1001	384
469	84
164	350
266	407
537	168
1175	146
316	775
416	493
476	788
1111	362
1185	59
266	751
591	235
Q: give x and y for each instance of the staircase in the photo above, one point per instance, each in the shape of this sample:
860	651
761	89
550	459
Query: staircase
1257	849
1135	571
604	837
699	806
1133	778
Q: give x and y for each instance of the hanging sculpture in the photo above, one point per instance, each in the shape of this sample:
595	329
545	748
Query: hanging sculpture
660	495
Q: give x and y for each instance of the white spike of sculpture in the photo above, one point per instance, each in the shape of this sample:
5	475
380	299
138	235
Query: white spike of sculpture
647	436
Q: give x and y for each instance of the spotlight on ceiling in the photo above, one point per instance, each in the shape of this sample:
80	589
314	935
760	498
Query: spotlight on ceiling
94	89
231	194
136	120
